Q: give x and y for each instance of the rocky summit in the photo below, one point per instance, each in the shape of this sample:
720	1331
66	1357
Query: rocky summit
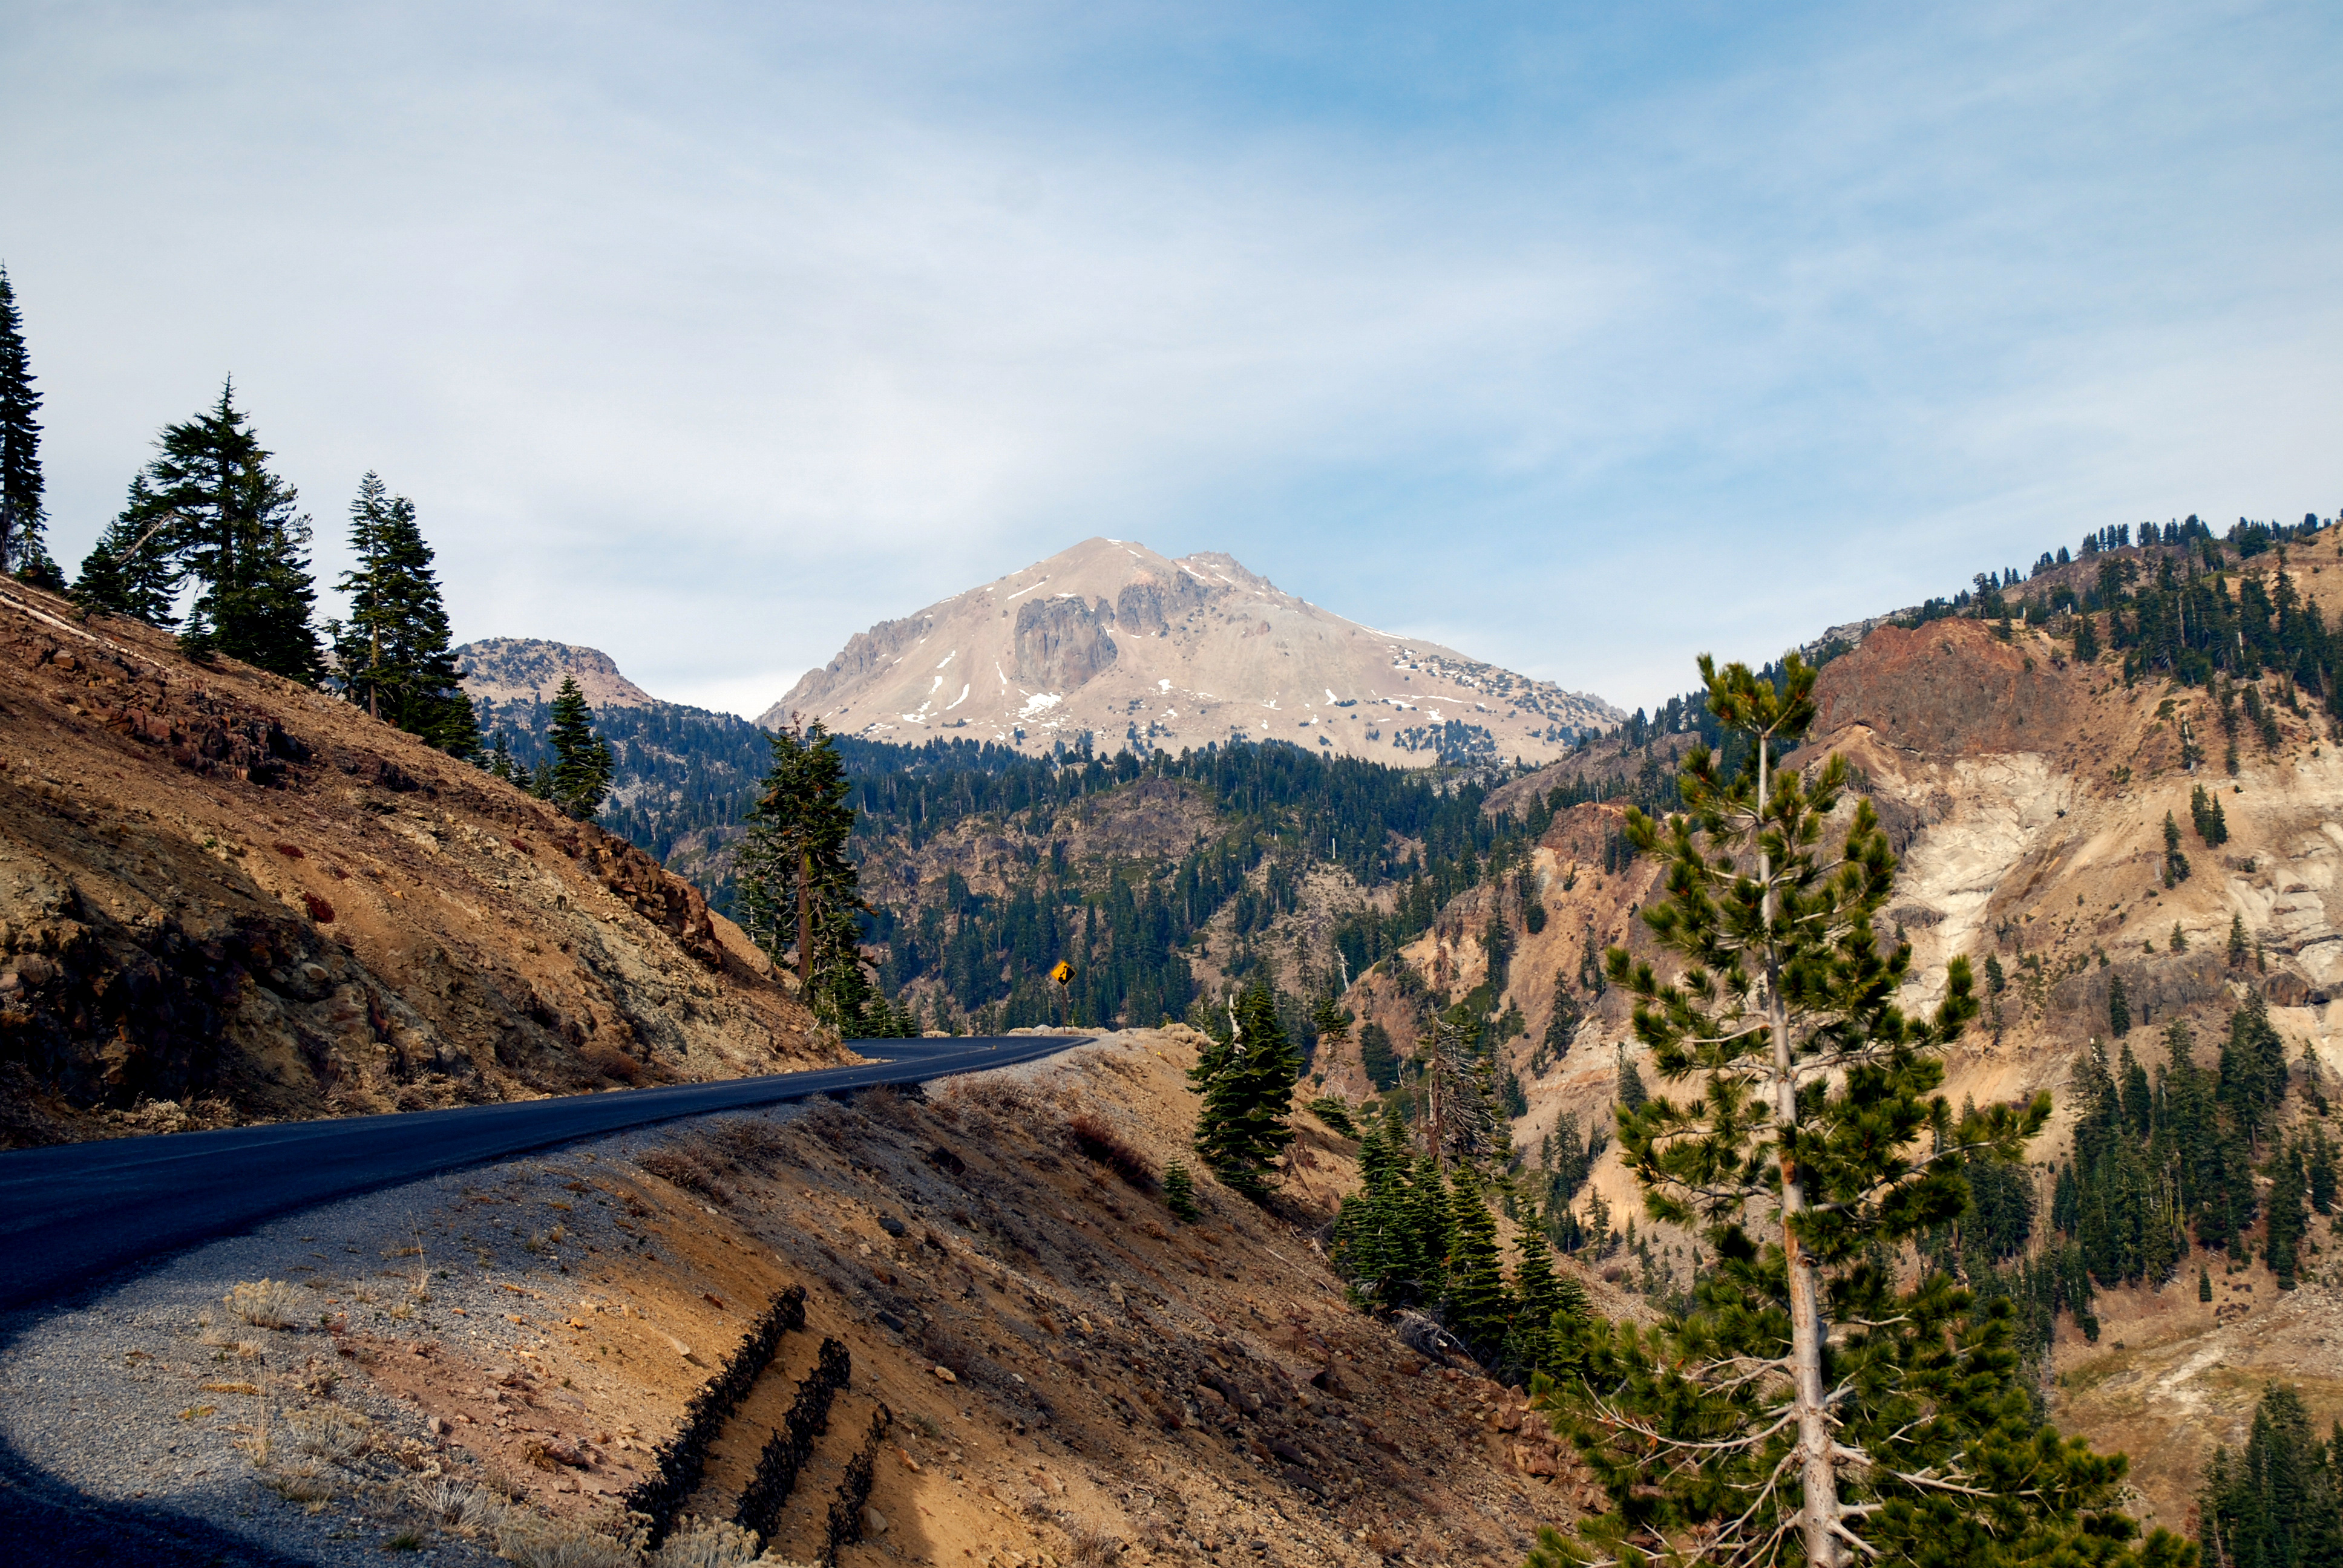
1141	651
501	670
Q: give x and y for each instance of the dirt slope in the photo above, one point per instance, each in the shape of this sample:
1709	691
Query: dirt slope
1069	1374
225	898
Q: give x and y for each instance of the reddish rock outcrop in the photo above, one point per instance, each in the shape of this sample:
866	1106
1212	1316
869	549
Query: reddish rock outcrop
1950	687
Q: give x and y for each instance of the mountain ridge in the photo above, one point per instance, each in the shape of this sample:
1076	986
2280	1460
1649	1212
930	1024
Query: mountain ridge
1139	649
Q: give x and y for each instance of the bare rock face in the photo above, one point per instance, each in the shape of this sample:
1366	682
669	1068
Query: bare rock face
1136	650
1950	687
867	653
530	669
1060	643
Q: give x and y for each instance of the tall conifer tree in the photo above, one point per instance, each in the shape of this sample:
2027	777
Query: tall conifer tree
1476	1305
581	772
129	571
1247	1082
798	890
1807	1408
208	502
394	654
22	508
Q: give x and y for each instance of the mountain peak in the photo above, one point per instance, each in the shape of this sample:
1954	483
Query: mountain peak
1109	638
530	669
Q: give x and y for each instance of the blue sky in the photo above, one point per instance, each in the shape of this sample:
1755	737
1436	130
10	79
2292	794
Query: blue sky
1582	338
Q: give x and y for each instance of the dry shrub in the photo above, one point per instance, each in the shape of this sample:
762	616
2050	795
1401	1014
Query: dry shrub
268	1303
536	1543
894	1107
1094	1548
330	1433
1011	1101
291	851
828	1121
990	1108
303	1486
1098	1140
458	1509
946	1348
611	1063
685	1169
751	1141
707	1544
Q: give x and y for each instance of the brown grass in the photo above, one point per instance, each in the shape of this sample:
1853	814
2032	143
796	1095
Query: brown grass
687	1170
754	1142
612	1062
1097	1140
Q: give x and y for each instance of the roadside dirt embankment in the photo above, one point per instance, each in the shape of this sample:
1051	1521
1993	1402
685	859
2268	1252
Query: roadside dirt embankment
1069	1373
225	898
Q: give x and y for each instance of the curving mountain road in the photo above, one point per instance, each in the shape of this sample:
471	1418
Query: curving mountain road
75	1212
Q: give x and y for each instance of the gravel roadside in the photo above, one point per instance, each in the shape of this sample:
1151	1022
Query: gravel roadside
154	1422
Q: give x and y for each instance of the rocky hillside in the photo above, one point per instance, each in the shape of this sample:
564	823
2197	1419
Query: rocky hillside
2027	792
225	898
1111	639
527	669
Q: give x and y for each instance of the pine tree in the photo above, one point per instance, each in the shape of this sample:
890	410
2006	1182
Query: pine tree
1631	1088
23	511
1474	1302
500	759
1247	1084
2276	1505
230	525
1462	1108
2321	1168
797	889
2205	810
1364	1222
1553	1310
2283	1241
1806	1406
1562	1024
394	654
2119	1008
129	571
1180	1191
1376	1059
581	758
2204	1283
2237	950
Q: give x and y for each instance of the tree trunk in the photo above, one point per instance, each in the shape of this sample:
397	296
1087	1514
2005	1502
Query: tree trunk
1817	1475
805	927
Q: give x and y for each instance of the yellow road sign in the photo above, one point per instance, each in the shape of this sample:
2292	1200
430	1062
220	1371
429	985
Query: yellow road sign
1064	973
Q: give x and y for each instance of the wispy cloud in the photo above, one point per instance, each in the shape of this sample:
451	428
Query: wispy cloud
710	337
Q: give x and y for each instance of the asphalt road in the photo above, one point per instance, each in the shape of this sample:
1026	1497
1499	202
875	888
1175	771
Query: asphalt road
76	1213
